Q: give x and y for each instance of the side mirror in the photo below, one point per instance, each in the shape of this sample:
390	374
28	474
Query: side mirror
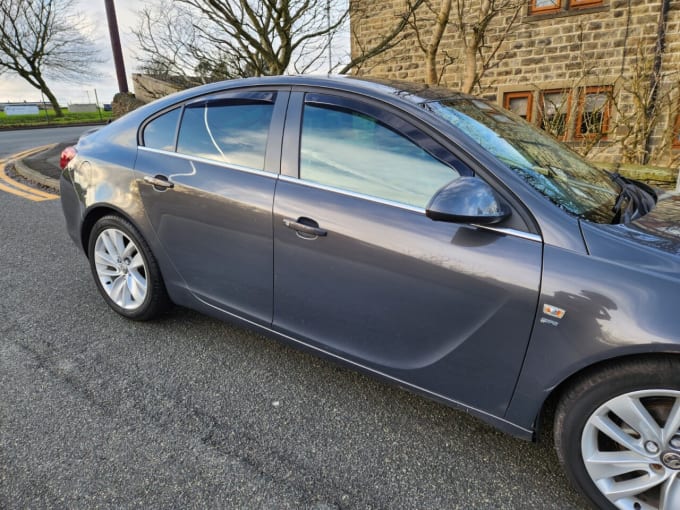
467	200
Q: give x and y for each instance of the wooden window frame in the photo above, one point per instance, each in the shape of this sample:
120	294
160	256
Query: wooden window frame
508	96
584	3
567	113
534	9
604	131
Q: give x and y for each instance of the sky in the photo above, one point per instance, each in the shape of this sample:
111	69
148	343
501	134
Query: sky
13	88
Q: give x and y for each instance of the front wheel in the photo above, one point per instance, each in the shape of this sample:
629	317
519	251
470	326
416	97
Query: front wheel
617	433
125	270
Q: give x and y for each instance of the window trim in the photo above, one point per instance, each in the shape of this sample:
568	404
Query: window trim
529	95
604	130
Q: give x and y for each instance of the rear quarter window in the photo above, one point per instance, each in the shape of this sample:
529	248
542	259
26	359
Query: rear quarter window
160	132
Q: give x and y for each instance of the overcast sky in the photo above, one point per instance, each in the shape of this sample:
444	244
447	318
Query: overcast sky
13	88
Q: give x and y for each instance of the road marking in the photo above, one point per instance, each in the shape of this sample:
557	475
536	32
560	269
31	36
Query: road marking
19	189
22	187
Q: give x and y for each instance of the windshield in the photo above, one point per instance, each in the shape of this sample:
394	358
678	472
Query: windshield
557	172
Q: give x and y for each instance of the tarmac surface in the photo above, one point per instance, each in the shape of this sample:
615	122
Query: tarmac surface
47	162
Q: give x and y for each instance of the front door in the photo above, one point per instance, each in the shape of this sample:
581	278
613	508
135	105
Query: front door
361	272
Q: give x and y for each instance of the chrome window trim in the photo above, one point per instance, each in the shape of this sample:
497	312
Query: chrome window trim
511	232
207	161
353	194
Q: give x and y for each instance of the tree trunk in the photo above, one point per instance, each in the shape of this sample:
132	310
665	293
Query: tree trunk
470	69
53	100
431	75
42	86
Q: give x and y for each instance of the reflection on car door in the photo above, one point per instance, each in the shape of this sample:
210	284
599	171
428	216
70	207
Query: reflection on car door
361	272
215	222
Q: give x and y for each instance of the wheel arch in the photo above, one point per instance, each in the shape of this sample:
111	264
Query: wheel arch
547	409
95	214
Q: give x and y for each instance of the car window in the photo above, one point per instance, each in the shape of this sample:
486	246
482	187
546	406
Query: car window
160	132
352	151
233	131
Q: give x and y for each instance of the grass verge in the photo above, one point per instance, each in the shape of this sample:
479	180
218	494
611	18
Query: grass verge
48	118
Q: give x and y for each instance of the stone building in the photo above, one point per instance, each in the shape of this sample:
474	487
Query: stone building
581	69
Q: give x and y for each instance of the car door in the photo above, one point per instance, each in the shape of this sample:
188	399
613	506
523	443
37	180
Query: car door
361	272
208	195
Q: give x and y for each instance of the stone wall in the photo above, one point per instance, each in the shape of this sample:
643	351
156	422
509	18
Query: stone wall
605	49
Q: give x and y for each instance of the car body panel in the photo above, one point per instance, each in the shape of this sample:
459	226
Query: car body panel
222	249
438	305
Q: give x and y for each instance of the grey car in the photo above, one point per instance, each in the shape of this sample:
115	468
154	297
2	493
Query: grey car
426	237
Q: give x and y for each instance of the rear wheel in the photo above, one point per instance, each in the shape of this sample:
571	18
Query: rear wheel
617	433
125	270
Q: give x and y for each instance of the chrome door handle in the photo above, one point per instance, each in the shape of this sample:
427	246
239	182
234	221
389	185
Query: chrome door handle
305	230
159	182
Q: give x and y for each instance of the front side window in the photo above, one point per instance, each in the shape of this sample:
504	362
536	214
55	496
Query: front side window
232	131
351	151
160	132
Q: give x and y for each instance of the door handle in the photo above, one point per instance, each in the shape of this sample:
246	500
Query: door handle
159	182
305	227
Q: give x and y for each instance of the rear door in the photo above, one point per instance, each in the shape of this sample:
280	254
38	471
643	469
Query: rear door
209	195
361	272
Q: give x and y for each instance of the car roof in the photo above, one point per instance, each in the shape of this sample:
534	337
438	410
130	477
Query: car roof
391	90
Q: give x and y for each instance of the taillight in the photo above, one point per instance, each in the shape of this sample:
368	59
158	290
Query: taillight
67	155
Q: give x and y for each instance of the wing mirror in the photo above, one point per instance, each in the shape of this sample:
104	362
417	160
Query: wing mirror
467	200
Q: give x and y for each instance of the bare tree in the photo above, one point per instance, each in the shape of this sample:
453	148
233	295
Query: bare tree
482	27
41	39
217	39
380	43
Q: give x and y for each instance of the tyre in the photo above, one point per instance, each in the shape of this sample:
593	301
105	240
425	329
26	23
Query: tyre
617	435
125	270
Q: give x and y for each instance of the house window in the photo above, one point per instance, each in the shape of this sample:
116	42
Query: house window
592	118
554	112
552	6
541	6
676	133
520	103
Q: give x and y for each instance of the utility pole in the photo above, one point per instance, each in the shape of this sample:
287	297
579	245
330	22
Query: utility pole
115	45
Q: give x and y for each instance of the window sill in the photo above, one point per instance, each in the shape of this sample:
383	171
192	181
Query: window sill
574	11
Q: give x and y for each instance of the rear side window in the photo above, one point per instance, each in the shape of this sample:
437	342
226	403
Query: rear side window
229	131
160	132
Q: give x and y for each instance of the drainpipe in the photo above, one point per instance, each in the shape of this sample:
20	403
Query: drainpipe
656	72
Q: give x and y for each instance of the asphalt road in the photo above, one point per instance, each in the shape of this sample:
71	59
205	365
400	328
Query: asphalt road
189	412
12	142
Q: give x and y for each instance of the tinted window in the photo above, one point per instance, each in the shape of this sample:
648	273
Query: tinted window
351	151
233	132
160	132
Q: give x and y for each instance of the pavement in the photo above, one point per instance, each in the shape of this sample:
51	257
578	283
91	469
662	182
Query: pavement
41	165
